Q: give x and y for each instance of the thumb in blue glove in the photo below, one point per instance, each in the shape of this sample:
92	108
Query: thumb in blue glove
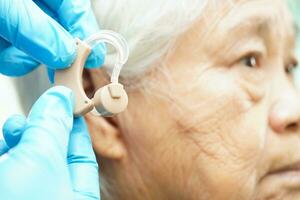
43	31
50	151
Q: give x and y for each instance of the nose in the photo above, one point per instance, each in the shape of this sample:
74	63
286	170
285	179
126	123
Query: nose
284	116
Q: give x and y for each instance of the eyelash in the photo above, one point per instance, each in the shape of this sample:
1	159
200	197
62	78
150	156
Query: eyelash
291	67
251	60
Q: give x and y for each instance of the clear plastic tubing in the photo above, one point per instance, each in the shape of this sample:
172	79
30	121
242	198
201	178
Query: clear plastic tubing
118	42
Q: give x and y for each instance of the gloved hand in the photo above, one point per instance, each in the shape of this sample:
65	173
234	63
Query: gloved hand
43	31
50	156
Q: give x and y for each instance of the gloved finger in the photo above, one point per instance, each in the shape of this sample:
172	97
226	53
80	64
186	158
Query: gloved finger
51	74
46	9
3	147
96	57
14	62
48	126
13	129
82	163
32	31
3	44
78	19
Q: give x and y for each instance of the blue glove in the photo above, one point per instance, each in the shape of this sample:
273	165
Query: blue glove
49	156
43	31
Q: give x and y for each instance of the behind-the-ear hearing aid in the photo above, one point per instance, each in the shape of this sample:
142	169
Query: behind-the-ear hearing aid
108	100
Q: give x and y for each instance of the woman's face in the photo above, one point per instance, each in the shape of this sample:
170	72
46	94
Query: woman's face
220	119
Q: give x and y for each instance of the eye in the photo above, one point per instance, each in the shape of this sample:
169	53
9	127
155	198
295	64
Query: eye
250	60
291	67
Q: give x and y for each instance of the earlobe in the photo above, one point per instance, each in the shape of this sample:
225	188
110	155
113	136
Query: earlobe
106	137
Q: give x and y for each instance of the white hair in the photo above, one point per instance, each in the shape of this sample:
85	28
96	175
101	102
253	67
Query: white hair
149	26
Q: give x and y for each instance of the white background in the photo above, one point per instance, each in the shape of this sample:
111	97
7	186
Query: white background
8	100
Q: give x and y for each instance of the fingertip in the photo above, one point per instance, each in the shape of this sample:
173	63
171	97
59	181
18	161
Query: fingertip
13	129
37	34
65	56
97	56
56	100
15	62
54	106
65	94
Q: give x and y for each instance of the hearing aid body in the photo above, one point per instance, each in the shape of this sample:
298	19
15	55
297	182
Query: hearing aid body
108	100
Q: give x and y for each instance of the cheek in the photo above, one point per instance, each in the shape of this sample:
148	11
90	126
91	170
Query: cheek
245	132
227	132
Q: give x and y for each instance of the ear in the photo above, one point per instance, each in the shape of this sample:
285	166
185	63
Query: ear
94	79
106	137
105	133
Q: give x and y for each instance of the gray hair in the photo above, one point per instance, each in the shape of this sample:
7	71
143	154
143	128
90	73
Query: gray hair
149	26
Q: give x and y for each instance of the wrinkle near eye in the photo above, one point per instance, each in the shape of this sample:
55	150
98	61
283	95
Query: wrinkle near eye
256	22
255	93
233	52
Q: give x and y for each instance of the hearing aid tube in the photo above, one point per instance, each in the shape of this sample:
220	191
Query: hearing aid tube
108	100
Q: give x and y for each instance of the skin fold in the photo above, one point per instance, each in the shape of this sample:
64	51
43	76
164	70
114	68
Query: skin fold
215	119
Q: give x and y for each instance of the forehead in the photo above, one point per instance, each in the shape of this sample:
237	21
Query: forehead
226	24
228	20
259	14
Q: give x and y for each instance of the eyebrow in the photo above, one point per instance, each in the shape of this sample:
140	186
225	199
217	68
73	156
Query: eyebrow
262	26
257	26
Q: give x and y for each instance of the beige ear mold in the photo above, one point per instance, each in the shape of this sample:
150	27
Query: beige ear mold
110	99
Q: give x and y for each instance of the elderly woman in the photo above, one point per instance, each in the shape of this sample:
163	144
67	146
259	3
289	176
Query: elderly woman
213	111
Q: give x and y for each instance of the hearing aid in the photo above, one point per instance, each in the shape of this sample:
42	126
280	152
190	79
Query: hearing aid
108	100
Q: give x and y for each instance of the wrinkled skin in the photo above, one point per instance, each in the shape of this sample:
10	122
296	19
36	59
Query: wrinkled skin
223	124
